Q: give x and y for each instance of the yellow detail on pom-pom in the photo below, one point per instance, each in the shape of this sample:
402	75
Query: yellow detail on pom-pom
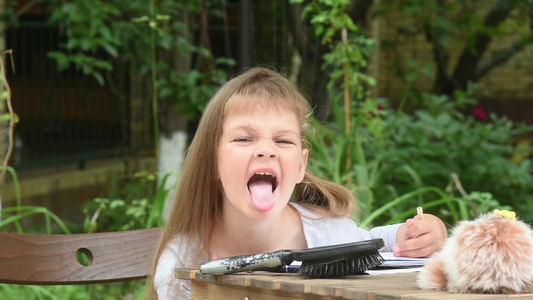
508	214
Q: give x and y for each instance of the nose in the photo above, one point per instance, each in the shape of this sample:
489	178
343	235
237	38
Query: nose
265	149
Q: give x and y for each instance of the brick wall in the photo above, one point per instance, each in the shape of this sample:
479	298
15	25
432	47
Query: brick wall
510	82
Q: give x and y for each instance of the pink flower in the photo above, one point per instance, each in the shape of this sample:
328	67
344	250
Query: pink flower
379	107
479	113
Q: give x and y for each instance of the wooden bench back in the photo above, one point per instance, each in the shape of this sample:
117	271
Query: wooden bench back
52	259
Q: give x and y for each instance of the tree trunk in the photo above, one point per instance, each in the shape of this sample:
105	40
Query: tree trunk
310	74
310	50
174	127
466	69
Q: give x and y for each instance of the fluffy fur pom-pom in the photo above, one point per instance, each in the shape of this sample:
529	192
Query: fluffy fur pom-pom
490	254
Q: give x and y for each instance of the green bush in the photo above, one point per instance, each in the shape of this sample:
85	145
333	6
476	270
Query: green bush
132	202
395	160
428	156
439	141
110	291
137	203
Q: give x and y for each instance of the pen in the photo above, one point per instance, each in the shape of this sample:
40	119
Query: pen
419	212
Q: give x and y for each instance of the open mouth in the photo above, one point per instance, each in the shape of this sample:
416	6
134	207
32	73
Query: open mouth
261	187
264	177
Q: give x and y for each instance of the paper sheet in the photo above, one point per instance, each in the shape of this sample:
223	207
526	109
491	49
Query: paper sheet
392	261
393	271
395	265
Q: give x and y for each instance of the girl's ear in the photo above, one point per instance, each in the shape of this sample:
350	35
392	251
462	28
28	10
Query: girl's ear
303	165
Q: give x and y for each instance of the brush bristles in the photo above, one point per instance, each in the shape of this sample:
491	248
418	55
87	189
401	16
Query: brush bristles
341	266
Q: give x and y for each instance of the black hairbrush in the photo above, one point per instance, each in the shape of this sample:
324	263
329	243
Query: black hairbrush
320	262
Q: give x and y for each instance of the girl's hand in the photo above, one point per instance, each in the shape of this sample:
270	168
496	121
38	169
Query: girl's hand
420	237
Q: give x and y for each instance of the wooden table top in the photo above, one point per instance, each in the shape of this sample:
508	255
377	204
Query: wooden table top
266	285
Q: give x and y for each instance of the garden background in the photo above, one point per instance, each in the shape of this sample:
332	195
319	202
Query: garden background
417	103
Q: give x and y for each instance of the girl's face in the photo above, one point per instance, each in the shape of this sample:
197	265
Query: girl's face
260	159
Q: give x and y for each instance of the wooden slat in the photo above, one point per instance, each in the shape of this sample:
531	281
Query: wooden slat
449	296
51	259
206	291
185	273
407	294
365	286
369	292
263	285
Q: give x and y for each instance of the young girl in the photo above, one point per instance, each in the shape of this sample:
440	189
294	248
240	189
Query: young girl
244	188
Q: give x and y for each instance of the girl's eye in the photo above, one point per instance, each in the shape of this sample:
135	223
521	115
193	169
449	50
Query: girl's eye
243	140
285	142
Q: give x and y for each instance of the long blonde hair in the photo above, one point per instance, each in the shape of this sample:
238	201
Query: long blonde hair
198	202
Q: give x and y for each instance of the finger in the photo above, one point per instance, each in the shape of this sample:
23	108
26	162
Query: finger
415	246
420	252
418	228
422	246
410	222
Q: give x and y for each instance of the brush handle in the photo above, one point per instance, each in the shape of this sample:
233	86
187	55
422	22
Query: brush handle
234	264
328	252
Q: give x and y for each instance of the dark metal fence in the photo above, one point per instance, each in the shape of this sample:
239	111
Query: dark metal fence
64	116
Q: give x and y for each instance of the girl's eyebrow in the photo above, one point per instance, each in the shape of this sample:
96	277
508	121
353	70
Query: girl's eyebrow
251	129
243	127
287	131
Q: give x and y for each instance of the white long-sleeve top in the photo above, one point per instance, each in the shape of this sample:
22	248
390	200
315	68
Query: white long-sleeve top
317	232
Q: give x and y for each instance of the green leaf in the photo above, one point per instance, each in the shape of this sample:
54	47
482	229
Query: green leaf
98	78
7	117
162	17
141	19
61	59
110	49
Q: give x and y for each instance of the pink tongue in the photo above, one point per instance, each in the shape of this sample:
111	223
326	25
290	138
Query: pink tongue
262	196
